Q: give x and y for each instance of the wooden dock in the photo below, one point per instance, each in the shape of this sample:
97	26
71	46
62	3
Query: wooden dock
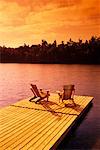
29	126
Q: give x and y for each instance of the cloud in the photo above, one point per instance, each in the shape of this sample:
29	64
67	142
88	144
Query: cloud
12	14
17	13
32	20
19	2
36	5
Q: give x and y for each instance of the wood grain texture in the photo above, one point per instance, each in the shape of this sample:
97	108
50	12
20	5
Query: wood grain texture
26	125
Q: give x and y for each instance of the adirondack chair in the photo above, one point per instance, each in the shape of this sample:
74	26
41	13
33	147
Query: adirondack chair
67	94
39	94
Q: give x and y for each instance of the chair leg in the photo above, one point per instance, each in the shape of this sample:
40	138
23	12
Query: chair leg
73	101
48	94
60	97
47	98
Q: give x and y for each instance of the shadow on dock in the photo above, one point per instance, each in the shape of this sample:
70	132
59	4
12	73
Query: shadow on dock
47	106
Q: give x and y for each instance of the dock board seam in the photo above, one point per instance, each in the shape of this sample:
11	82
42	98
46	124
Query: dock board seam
45	110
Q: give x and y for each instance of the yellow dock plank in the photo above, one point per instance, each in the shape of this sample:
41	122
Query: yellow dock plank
26	125
54	131
40	127
52	138
45	130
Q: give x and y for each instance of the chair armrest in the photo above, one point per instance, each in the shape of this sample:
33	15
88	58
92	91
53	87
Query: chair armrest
48	93
59	93
41	91
44	92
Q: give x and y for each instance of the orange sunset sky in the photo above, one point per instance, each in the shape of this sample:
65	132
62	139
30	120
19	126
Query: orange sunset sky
30	21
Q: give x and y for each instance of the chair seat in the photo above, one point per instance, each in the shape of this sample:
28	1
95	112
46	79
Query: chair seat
35	99
67	93
39	93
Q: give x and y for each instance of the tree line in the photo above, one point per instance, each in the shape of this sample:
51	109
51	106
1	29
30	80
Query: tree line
87	52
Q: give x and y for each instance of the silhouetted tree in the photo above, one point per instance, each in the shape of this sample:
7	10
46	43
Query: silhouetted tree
71	52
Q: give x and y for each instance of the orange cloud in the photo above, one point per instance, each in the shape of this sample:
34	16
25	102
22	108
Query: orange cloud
31	20
44	2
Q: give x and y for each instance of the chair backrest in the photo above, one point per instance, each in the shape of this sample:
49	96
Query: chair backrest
35	90
68	91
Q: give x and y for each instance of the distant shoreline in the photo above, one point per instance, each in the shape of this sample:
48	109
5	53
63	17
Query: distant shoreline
50	63
80	52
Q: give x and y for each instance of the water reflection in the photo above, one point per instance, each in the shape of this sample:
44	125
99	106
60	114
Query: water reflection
15	79
15	82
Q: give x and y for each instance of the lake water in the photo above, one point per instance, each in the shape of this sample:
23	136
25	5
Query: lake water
15	82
